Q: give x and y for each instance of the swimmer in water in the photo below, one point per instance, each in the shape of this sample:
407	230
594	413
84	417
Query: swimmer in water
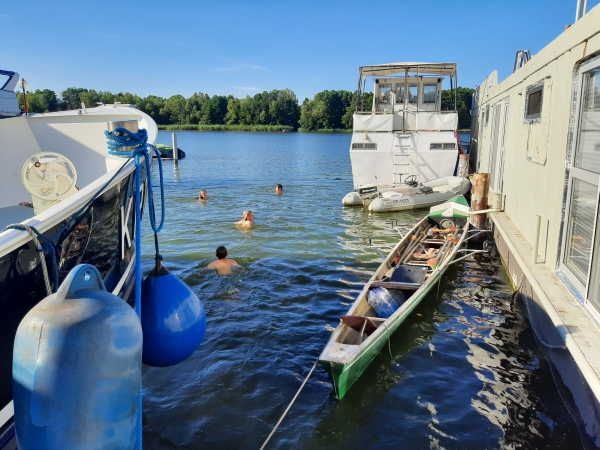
222	264
247	219
279	189
203	195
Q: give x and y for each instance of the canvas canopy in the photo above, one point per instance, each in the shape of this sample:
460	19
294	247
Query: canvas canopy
422	68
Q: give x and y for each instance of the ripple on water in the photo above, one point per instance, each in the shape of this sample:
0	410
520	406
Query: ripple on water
464	370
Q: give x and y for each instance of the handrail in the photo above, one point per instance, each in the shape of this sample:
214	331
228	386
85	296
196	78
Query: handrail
402	111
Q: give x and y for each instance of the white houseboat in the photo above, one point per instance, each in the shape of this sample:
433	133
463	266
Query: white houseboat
406	135
537	134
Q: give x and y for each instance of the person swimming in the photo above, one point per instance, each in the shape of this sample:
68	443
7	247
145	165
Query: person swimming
247	219
222	264
203	195
279	189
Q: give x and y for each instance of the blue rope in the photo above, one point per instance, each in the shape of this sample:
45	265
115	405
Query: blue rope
126	138
47	249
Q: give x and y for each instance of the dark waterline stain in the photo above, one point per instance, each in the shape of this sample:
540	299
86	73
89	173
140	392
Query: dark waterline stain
464	370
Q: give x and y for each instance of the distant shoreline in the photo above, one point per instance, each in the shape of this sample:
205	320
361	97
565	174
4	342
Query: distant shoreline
256	128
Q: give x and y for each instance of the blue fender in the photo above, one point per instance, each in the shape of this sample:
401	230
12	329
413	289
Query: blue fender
173	319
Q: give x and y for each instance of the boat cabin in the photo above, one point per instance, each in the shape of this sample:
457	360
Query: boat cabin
416	93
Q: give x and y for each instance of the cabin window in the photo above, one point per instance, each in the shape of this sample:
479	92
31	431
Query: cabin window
580	253
413	94
399	92
436	146
364	146
429	94
587	155
533	102
450	146
384	93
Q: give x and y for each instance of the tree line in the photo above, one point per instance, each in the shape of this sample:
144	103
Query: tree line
329	110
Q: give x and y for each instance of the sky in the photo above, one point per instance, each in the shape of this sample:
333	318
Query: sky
245	47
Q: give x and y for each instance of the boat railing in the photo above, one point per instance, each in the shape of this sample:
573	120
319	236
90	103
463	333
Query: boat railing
407	120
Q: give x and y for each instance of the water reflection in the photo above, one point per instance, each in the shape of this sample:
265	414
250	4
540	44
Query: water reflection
464	370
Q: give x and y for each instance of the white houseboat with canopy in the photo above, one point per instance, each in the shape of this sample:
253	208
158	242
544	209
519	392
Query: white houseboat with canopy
406	135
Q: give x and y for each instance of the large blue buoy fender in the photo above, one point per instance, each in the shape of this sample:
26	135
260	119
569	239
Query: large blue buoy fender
77	368
173	319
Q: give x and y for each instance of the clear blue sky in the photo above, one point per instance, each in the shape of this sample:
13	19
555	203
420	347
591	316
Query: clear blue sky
243	47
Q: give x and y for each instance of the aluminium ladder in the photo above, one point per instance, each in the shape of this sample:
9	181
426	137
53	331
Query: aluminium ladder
401	149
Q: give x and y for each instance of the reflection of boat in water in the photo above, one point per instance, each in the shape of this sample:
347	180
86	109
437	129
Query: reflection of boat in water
75	194
400	283
410	195
406	134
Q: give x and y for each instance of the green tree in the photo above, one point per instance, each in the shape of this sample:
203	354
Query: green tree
174	109
39	101
233	111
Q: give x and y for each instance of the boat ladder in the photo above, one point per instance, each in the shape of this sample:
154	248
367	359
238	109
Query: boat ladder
402	146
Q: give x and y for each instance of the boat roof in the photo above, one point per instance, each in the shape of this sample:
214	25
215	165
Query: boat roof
420	67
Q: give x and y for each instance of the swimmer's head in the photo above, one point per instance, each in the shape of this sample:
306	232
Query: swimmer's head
203	195
247	215
221	252
279	189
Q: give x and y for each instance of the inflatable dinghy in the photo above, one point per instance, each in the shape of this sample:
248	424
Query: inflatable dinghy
411	195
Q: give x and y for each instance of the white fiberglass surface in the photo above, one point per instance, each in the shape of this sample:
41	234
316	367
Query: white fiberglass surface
80	138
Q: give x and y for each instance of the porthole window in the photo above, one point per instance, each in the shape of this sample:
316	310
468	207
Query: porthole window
450	146
533	102
436	146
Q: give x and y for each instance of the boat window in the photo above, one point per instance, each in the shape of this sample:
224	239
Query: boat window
429	94
384	93
364	146
450	146
587	155
3	80
533	102
399	92
413	94
436	146
581	228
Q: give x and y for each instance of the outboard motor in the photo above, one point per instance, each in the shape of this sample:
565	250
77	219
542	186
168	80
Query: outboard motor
367	191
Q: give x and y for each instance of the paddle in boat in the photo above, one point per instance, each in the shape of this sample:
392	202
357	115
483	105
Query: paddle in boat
404	278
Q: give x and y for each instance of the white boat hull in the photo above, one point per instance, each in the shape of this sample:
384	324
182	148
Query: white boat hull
406	197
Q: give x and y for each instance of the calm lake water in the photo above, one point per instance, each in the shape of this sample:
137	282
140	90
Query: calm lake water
464	371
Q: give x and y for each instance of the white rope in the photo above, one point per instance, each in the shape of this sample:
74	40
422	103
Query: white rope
290	405
42	257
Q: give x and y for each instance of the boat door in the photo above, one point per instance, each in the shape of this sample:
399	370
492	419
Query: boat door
497	144
580	253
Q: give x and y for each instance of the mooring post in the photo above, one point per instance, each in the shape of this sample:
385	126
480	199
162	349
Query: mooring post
175	151
479	198
463	165
536	239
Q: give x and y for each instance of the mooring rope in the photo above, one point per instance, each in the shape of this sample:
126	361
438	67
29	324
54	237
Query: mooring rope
290	405
117	140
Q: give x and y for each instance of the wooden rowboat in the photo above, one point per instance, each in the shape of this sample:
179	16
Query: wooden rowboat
413	267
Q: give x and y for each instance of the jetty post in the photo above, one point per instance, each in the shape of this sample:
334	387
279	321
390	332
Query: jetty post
479	199
463	165
175	151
